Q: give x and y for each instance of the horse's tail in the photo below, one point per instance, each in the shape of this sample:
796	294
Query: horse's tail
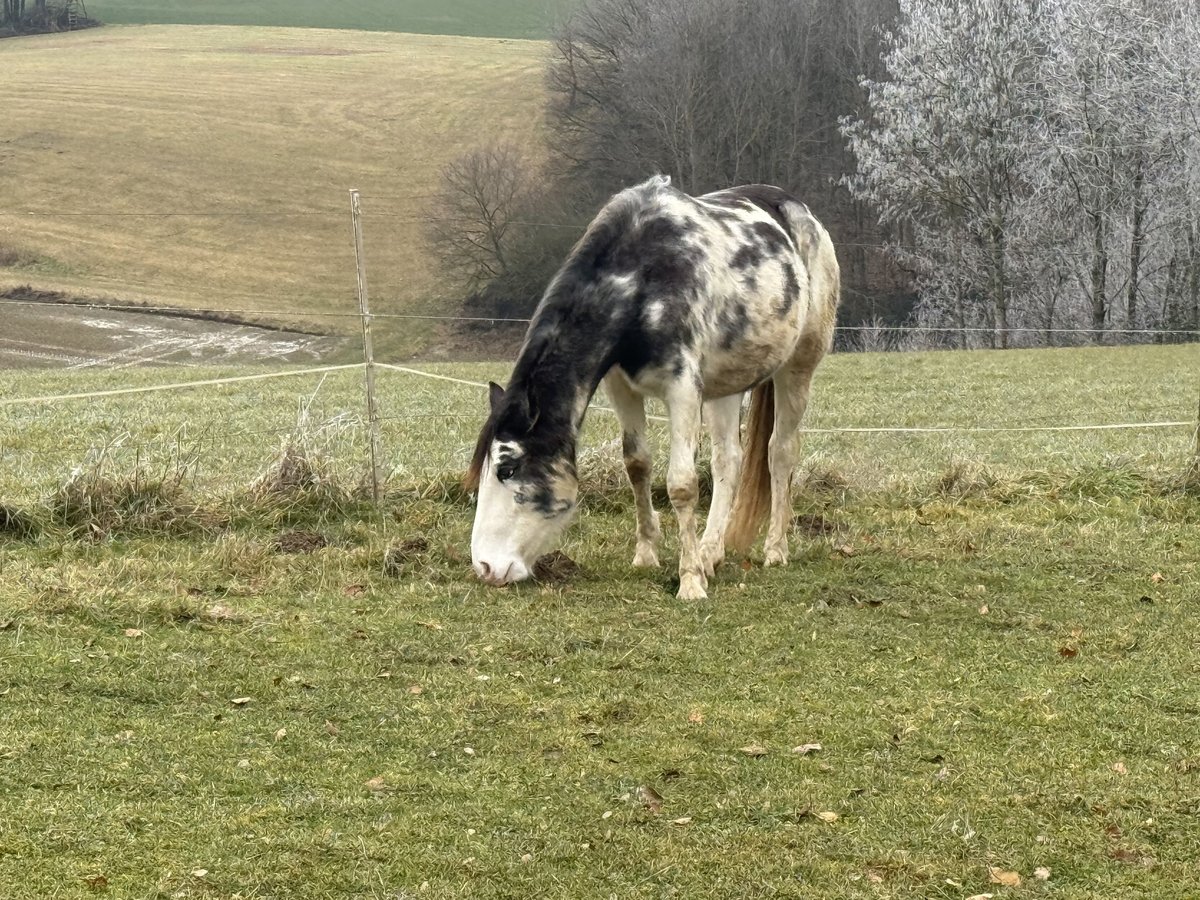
752	501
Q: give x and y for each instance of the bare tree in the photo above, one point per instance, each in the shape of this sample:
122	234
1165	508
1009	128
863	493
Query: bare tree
499	227
721	92
471	228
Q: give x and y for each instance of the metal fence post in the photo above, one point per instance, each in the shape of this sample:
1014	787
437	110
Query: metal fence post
364	312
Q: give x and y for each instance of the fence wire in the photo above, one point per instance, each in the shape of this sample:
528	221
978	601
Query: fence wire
431	432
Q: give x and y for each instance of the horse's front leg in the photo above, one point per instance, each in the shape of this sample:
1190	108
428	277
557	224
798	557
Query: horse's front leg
631	412
724	417
684	406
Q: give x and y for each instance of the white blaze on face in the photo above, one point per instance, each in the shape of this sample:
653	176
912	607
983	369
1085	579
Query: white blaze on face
518	516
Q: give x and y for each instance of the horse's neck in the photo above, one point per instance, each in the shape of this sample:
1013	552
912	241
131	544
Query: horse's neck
562	369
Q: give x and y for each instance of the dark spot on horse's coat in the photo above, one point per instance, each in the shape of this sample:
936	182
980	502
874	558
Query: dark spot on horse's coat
733	323
791	289
747	256
772	238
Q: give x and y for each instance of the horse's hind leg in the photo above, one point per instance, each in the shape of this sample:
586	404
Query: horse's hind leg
724	418
791	398
631	411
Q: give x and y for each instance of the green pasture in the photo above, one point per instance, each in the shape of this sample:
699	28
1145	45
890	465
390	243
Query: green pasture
477	18
208	691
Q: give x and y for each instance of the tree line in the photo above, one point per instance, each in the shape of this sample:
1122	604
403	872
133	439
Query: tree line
996	172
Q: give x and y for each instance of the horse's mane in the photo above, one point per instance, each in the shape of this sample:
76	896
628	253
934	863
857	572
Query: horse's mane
557	304
470	481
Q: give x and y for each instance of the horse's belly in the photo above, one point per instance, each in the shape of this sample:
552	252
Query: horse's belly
750	362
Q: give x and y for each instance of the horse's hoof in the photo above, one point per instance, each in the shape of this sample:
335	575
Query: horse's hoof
691	587
645	559
712	557
775	558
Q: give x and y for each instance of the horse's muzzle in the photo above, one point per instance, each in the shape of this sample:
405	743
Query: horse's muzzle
502	573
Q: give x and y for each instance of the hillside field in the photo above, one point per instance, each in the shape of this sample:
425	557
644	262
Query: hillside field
977	677
480	18
210	167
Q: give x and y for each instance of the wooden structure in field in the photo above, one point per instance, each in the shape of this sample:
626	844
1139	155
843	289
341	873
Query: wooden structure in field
68	14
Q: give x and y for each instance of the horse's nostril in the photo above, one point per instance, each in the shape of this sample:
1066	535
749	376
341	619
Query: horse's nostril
483	569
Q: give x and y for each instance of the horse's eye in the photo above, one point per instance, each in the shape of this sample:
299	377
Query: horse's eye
505	471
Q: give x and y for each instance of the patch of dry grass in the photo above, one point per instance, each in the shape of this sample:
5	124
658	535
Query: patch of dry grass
209	167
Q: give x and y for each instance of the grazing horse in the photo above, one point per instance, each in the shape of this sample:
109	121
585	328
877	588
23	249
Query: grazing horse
693	300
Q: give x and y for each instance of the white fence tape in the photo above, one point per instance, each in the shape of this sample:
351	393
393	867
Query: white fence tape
934	429
174	386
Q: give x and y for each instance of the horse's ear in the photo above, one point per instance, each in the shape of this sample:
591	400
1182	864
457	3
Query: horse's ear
530	408
495	395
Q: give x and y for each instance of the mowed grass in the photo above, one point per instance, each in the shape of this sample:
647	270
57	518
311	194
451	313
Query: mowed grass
211	167
989	636
481	18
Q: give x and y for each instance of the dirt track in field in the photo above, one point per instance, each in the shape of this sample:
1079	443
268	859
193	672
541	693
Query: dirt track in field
38	335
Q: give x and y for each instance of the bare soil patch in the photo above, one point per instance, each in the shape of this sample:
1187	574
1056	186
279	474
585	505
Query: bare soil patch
48	329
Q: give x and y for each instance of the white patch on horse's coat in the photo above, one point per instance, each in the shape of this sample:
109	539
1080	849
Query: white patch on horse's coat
654	313
510	532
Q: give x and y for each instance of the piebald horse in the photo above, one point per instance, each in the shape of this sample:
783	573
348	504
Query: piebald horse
693	300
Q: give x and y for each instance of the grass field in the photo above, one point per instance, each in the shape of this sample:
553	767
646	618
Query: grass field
481	18
210	167
990	637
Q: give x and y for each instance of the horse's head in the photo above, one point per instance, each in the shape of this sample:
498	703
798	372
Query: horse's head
524	475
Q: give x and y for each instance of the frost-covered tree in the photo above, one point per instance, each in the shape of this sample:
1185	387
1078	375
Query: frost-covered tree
1039	161
945	148
1107	139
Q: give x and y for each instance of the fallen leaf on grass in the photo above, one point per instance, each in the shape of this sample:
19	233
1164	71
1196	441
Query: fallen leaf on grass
983	611
199	873
696	717
981	897
331	729
280	735
1158	578
241	701
96	882
1068	652
219	612
845	550
1004	877
682	820
415	689
134	632
1120	768
755	750
805	749
828	817
650	798
432	626
354	590
376	784
1042	873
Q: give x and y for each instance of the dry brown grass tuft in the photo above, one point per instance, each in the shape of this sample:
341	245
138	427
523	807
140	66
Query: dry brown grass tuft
965	478
304	467
100	498
16	523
